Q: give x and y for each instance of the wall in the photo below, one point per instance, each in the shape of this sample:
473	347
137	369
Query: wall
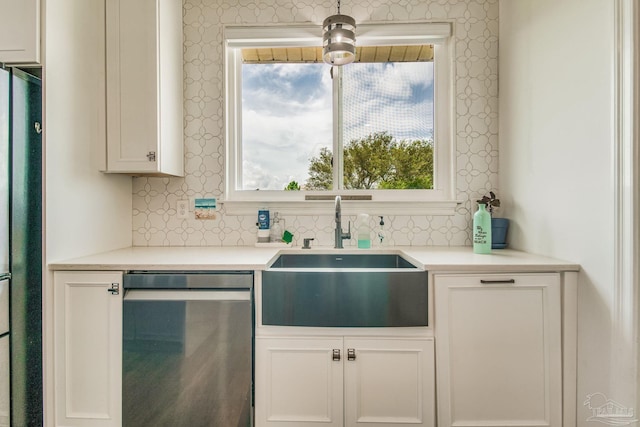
476	120
86	211
557	166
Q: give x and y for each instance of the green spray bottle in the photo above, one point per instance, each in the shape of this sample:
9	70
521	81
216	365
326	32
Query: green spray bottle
482	230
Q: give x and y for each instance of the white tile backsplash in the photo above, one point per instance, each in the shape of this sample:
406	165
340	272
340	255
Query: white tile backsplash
476	104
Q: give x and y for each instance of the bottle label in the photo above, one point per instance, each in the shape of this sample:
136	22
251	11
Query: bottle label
263	219
480	236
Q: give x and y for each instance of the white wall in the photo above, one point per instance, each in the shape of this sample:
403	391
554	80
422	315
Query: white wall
86	211
556	173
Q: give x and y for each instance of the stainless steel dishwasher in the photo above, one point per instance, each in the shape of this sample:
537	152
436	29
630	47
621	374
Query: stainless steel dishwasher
188	349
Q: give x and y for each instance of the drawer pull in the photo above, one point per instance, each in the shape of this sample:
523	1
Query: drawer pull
335	355
351	354
497	282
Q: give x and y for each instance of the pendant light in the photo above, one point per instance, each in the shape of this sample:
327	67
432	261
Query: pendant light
339	39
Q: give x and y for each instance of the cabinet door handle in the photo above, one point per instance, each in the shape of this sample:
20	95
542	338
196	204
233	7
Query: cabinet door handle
336	355
496	282
351	354
114	289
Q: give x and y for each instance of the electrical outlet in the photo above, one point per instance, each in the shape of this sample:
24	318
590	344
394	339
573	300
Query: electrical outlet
182	208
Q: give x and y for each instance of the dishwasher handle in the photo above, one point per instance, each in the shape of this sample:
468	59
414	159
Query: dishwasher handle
194	280
181	295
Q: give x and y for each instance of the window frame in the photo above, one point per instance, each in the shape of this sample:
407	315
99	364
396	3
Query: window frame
439	200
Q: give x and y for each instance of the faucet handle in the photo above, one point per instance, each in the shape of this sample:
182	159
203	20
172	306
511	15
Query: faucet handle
306	243
347	235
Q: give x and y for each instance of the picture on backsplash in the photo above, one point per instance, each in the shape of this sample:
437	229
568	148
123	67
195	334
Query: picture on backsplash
205	208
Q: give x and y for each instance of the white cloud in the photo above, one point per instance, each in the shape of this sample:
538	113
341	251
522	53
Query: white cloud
389	97
286	121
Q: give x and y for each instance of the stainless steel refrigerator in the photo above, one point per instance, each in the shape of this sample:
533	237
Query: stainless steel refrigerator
4	248
20	248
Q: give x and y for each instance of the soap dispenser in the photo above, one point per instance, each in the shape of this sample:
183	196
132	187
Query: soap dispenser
381	233
263	226
364	234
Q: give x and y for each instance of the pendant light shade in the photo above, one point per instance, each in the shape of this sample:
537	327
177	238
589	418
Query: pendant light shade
339	39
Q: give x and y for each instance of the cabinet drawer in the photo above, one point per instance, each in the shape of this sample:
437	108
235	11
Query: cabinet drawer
499	279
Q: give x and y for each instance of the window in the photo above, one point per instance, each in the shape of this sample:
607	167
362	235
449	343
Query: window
378	128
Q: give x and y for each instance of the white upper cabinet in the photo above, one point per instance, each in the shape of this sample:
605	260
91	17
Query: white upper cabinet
144	87
20	32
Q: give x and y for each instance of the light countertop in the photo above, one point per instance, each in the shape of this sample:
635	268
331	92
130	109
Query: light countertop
431	258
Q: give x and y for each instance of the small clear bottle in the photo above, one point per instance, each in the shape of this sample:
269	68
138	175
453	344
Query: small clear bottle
277	228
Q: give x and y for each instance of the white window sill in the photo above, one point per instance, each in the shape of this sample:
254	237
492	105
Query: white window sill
349	207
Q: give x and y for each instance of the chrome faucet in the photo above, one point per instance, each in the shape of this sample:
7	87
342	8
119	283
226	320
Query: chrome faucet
338	233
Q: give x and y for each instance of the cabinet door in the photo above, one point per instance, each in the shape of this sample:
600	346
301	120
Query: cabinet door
88	349
144	87
389	382
498	350
20	31
298	382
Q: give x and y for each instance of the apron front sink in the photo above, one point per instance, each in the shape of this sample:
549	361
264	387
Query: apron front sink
344	290
366	261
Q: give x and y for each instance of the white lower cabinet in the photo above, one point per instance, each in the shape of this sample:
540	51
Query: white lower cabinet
391	382
88	348
499	353
344	381
298	382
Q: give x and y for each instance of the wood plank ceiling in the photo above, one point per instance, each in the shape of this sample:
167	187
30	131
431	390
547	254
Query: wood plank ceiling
409	53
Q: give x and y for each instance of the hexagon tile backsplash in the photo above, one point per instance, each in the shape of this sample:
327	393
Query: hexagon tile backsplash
155	222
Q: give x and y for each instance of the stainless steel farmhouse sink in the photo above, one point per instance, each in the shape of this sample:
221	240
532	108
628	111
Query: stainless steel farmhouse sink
331	261
344	290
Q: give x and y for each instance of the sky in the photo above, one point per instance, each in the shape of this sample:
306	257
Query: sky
287	118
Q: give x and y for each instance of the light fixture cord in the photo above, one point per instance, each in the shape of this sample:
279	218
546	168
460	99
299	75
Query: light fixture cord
338	7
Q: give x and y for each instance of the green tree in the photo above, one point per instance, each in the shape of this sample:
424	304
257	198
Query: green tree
321	171
377	161
292	186
368	161
413	166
